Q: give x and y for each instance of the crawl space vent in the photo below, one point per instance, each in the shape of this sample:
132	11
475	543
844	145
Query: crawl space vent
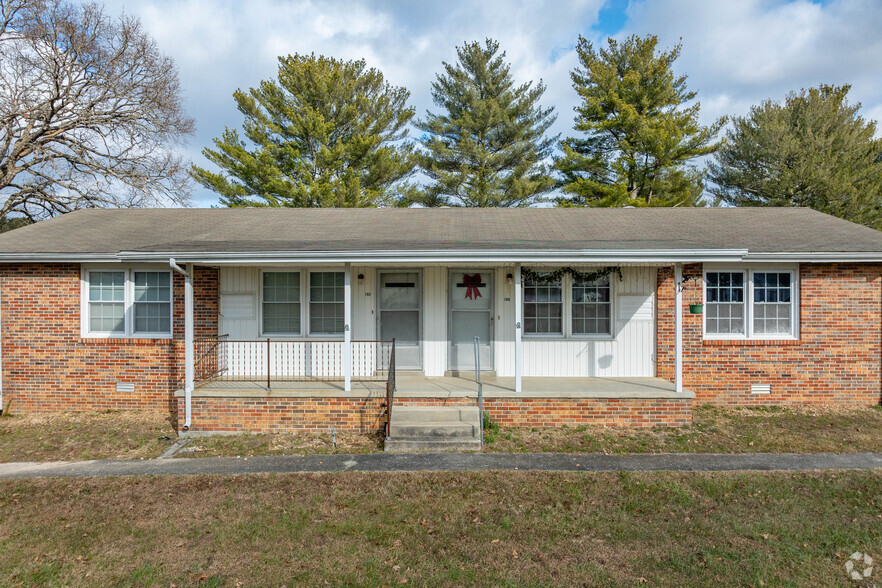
125	387
760	388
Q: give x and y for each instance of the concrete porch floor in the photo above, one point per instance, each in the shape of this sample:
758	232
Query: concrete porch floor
412	386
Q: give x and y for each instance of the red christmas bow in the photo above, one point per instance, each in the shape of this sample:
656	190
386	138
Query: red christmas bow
472	283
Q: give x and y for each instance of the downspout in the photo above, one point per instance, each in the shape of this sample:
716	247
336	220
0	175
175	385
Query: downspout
678	327
2	406
188	338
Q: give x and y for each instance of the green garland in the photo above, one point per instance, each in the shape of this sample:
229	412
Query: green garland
558	274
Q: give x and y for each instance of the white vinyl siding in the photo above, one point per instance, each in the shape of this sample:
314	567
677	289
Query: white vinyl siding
127	303
751	303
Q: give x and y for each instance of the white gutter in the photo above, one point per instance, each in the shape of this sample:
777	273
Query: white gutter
189	372
509	256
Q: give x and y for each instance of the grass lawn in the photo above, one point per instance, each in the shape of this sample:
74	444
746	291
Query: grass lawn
73	436
714	430
135	434
478	528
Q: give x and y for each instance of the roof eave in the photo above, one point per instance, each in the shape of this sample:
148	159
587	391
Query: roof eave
663	256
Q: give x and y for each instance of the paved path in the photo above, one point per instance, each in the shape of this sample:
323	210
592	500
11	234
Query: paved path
416	462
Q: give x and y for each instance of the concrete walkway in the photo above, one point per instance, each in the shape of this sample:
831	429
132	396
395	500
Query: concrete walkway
421	462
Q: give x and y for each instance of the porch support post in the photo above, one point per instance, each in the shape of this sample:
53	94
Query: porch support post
347	330
518	351
678	327
189	371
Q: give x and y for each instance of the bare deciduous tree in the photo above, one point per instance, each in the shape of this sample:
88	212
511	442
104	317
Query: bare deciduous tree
90	112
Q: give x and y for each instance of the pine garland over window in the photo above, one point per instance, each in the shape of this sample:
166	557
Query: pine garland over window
558	274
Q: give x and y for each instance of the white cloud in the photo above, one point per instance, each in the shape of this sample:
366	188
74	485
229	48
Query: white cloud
736	52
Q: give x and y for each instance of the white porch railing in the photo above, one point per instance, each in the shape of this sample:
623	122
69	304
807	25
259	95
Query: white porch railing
268	360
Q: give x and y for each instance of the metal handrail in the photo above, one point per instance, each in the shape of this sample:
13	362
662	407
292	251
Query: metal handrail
390	391
480	387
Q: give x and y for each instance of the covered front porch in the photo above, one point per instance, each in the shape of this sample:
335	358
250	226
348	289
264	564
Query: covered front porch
316	341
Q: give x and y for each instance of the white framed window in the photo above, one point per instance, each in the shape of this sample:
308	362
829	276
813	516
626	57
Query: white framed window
592	307
751	303
128	302
568	307
326	304
543	307
280	304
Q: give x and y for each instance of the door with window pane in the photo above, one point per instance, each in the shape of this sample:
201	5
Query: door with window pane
471	315
399	316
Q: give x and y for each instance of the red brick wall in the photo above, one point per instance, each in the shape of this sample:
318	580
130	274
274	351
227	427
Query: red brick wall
367	415
48	366
837	359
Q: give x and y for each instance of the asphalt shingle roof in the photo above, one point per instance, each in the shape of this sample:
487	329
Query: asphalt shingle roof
758	230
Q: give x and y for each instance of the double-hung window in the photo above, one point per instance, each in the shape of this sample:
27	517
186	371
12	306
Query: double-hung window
281	303
286	309
543	306
592	306
326	307
127	303
567	307
750	303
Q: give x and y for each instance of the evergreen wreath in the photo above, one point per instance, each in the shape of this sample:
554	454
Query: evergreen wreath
558	274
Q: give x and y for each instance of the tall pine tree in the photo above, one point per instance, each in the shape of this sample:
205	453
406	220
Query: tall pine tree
639	133
814	150
488	146
326	134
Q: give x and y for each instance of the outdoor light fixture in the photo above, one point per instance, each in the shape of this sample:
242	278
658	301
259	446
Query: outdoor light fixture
509	278
360	277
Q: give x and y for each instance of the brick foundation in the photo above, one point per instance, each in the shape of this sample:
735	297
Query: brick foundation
48	366
217	415
837	359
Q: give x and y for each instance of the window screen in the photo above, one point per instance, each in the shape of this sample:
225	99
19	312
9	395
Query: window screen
543	306
281	303
724	313
326	310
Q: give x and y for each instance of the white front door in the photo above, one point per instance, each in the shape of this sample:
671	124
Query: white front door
471	315
399	317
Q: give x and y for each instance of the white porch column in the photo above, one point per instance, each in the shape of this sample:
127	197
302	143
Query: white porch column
678	326
189	372
347	329
519	319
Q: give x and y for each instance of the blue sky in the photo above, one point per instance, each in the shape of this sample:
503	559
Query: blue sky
736	52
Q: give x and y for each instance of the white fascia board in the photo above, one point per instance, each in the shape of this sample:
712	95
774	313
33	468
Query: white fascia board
451	256
817	257
509	256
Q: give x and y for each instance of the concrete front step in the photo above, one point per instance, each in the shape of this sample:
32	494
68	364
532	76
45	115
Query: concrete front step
410	445
434	428
411	414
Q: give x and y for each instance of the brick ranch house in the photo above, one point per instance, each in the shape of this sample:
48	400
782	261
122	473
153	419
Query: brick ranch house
273	319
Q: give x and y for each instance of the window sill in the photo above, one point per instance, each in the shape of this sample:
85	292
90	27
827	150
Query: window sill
750	342
97	340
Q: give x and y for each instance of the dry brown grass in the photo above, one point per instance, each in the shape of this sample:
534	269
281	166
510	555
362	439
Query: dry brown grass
72	436
714	430
297	443
440	529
